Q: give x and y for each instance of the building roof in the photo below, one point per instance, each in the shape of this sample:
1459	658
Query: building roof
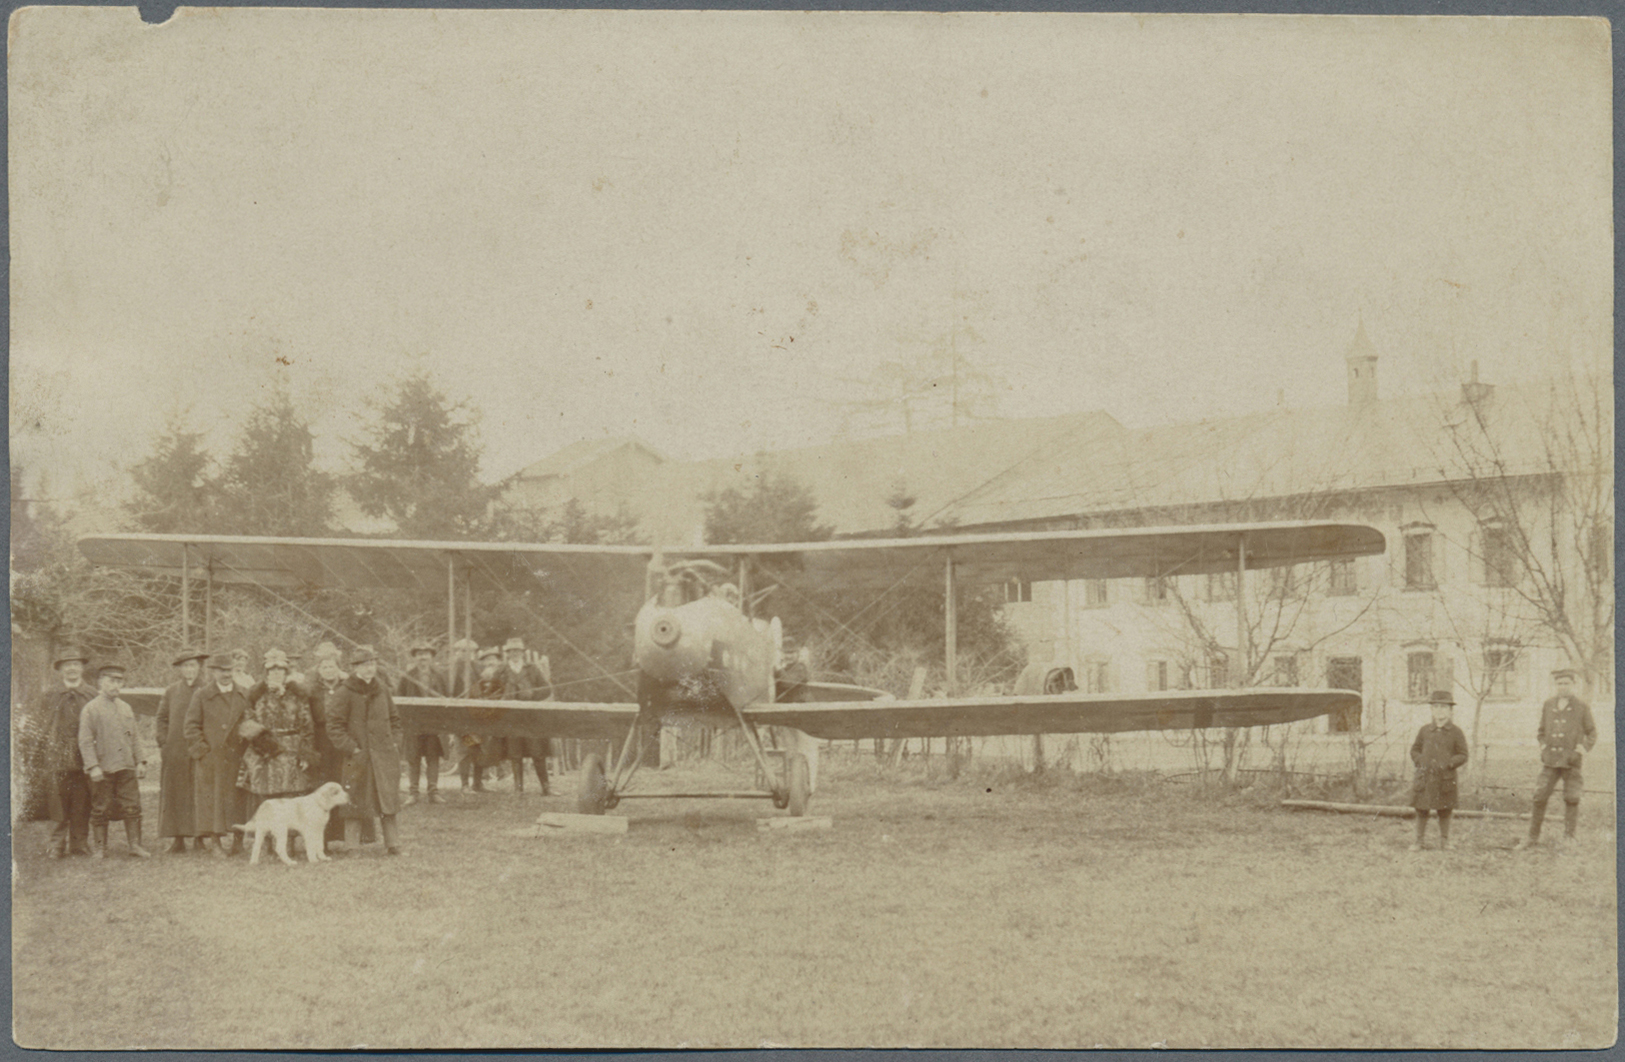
579	455
1278	454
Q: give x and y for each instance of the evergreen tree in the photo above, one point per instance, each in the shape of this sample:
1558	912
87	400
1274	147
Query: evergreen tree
778	508
420	463
270	485
174	492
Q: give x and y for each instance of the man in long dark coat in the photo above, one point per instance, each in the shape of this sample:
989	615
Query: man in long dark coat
365	726
423	750
175	782
329	767
212	718
522	680
68	787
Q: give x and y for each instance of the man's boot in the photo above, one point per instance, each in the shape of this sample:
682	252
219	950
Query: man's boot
132	838
177	846
1537	815
392	836
1571	820
57	846
98	841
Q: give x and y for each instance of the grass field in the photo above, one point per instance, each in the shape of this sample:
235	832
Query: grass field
1066	913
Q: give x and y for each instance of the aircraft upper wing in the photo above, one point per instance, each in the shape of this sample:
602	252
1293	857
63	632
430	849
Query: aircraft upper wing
1064	713
1034	556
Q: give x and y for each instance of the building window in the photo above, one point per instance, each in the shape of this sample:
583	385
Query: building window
1344	578
1221	586
1218	672
1097	676
1421	675
1419	561
1096	593
1017	590
1158	590
1157	675
1284	670
1500	671
1500	560
1600	547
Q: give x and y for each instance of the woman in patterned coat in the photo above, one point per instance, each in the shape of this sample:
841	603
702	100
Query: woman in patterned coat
280	736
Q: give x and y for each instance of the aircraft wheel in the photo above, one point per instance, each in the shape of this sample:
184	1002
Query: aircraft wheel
592	796
800	785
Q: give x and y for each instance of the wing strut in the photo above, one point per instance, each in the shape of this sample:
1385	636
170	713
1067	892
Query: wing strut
950	626
1244	665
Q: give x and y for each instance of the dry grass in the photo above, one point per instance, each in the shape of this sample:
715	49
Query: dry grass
1060	914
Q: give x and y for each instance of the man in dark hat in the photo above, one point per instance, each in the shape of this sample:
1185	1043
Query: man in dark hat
1565	723
175	797
1439	749
364	725
68	788
423	750
212	718
111	747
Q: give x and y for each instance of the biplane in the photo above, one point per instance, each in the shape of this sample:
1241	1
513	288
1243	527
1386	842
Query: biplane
702	656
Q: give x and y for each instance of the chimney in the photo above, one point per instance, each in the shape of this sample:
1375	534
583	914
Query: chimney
1473	392
1362	363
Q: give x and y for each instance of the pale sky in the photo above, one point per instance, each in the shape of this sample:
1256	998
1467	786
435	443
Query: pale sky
615	223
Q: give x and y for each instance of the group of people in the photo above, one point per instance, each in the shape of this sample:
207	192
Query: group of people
229	742
1440	750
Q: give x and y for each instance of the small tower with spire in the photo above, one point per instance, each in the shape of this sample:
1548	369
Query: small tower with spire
1362	363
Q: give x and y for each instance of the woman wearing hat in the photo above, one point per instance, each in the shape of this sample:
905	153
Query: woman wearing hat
1439	749
211	739
175	798
365	726
281	739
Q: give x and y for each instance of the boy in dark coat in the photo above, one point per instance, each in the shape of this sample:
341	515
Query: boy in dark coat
1440	747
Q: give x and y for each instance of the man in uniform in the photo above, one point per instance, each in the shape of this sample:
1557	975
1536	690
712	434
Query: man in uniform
69	787
522	680
175	797
1565	723
423	751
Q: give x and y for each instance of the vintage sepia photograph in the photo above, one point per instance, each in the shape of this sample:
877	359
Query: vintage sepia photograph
746	529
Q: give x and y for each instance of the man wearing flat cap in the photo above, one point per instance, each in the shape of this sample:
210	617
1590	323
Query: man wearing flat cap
423	750
212	718
1565	724
111	747
68	787
176	800
364	725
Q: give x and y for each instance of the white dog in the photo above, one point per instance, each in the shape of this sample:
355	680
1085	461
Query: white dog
306	816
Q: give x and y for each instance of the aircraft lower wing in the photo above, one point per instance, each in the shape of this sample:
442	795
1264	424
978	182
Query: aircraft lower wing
1064	713
847	719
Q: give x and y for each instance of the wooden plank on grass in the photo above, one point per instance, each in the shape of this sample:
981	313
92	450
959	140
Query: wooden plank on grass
794	825
1398	811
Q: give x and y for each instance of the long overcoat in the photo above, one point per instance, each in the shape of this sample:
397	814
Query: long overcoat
365	727
61	708
217	752
176	799
1437	752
